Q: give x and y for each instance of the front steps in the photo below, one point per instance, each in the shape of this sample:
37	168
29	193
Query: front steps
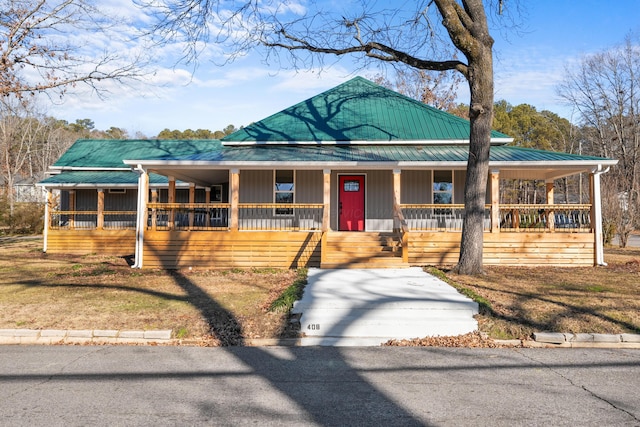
370	307
349	249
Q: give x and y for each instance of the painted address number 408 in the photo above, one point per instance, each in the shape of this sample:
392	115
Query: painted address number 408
313	326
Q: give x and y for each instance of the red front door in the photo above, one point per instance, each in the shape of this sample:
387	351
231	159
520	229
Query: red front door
351	203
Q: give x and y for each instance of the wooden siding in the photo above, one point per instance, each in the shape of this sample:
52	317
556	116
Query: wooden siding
509	249
415	187
309	186
82	242
175	249
256	186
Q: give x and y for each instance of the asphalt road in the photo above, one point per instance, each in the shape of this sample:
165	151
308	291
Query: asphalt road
327	386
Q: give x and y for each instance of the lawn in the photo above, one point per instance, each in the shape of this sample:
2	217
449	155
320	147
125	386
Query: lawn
517	301
222	307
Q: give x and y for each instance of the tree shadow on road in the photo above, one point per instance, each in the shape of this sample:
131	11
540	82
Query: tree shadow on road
316	395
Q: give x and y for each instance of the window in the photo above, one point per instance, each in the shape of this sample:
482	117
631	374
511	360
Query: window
284	190
351	185
442	187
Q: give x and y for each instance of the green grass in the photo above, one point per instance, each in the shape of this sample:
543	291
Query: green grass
284	303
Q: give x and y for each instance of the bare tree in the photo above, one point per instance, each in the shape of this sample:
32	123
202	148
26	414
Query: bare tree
404	34
44	47
605	90
20	135
438	89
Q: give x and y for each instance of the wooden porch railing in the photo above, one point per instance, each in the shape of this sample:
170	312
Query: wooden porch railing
188	216
92	220
309	216
546	218
513	218
432	217
251	216
280	216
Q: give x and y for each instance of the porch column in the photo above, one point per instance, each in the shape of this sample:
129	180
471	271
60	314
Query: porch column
551	217
396	197
495	201
100	216
397	192
48	207
596	214
192	200
207	200
141	218
234	180
326	200
154	216
171	198
72	208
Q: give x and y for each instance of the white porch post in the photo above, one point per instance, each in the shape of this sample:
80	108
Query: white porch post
141	223
47	218
596	206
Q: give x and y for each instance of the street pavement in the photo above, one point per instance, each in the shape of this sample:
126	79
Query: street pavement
317	386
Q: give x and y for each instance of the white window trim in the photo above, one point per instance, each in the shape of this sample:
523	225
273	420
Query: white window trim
453	186
275	171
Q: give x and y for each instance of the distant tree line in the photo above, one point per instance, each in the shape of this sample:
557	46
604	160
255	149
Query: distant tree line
196	134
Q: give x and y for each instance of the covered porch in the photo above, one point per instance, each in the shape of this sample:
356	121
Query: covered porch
218	217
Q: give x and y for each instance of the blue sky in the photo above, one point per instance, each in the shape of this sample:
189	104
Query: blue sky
528	65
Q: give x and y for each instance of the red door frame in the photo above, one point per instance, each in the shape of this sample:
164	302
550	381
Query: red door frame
351	204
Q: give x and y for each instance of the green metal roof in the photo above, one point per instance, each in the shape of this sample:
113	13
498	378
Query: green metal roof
357	110
377	153
109	153
95	178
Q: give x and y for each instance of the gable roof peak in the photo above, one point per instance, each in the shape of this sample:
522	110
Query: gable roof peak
355	112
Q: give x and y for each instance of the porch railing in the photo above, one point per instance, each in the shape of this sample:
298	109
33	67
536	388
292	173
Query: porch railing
251	216
558	218
431	217
91	220
188	216
280	216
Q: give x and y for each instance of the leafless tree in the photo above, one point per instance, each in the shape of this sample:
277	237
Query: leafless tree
605	90
439	90
20	134
390	34
45	46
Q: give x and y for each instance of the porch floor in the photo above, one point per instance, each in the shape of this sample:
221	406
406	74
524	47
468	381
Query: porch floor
367	307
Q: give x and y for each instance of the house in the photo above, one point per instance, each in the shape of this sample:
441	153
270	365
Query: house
358	175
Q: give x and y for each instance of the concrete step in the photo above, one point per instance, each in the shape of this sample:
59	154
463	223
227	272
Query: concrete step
371	306
387	323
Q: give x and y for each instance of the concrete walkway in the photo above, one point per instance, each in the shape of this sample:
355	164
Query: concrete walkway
370	306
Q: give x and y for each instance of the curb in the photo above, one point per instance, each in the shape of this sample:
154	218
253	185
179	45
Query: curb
89	336
570	340
163	337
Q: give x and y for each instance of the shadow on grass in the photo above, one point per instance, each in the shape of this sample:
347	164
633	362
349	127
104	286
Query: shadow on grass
550	323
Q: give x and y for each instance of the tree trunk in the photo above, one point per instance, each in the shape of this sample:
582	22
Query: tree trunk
475	188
